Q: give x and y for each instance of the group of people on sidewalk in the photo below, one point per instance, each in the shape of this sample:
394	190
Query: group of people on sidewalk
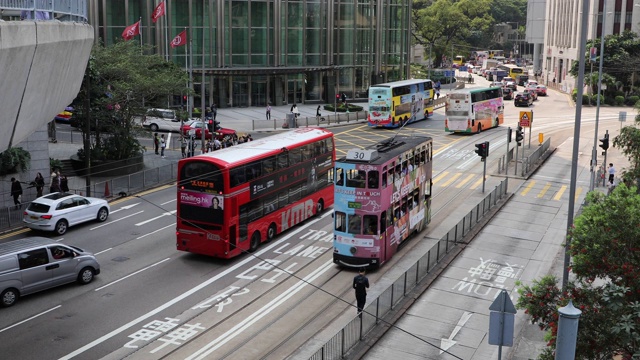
58	183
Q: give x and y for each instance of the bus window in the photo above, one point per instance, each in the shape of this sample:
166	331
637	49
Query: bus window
373	179
268	165
283	199
384	177
340	218
295	156
237	176
356	178
355	224
306	152
283	161
370	224
270	204
340	176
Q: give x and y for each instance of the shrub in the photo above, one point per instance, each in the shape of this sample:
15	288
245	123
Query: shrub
14	159
609	100
632	100
585	99
619	100
574	95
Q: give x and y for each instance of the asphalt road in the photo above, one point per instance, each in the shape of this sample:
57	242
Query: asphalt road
151	301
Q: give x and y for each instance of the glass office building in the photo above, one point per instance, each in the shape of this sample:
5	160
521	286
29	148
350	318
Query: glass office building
250	52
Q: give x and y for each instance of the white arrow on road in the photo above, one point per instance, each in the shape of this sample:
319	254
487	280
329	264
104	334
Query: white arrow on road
170	213
126	207
445	344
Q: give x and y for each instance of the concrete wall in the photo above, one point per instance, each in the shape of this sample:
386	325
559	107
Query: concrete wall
42	64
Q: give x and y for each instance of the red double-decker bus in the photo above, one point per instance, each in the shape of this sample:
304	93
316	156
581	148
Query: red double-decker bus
231	200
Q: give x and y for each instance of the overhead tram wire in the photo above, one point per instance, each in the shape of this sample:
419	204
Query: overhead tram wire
337	298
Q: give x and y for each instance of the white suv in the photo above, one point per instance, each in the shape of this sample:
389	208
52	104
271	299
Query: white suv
161	120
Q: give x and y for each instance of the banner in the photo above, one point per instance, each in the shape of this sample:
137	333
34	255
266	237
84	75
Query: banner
131	31
180	39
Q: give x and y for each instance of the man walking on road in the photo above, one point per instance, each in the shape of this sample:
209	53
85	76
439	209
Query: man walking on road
612	172
361	284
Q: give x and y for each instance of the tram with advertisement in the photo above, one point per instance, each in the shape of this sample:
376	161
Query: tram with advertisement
382	197
232	200
397	103
473	110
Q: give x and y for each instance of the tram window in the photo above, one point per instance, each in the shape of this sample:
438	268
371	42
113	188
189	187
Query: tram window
356	178
427	188
422	157
373	179
404	168
396	213
398	172
340	219
355	224
391	172
370	224
340	176
383	220
384	177
403	208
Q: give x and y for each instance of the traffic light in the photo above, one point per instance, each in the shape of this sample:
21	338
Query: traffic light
519	134
509	134
338	97
605	142
482	149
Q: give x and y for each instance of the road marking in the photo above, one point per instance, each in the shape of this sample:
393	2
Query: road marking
31	318
212	346
528	188
452	179
126	207
133	273
560	192
102	252
578	192
155	231
544	190
445	344
466	180
169	202
168	213
440	176
477	183
115	221
188	293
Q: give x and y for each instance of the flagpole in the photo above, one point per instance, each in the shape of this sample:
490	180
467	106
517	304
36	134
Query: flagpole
140	26
190	71
186	69
166	36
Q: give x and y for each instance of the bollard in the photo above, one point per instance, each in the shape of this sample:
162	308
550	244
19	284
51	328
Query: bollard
567	332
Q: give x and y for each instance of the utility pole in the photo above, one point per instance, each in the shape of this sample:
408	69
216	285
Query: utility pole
594	152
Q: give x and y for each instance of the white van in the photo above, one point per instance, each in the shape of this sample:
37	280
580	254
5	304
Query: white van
161	120
34	264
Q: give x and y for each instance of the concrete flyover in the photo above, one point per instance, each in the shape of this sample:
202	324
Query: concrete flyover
43	64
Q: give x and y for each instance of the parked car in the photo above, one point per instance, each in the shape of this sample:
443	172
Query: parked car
64	116
523	99
34	264
533	93
160	120
58	211
541	90
507	93
198	125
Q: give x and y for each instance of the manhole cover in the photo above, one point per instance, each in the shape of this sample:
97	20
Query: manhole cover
120	258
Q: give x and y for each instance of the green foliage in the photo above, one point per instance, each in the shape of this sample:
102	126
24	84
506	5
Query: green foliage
619	100
121	82
604	251
632	100
54	164
14	159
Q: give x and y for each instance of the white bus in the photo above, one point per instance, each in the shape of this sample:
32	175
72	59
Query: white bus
472	110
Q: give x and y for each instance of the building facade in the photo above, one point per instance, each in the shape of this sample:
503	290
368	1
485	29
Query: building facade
254	52
562	33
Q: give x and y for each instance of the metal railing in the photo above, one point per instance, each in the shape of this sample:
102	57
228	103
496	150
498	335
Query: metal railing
374	313
324	120
11	216
63	10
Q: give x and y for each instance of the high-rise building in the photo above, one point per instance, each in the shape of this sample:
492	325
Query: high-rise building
250	52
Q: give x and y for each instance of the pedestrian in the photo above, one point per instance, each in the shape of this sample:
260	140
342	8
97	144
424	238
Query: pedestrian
470	79
268	111
295	111
214	111
361	284
163	145
64	183
437	93
156	142
16	192
39	184
183	146
249	138
344	98
554	80
318	115
612	172
53	183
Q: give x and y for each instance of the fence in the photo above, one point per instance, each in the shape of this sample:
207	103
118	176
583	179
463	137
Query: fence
11	217
63	10
339	118
357	329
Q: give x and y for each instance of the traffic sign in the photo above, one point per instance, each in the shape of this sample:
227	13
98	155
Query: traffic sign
526	118
503	303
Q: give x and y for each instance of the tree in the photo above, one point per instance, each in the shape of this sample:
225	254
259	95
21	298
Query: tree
629	144
605	251
121	82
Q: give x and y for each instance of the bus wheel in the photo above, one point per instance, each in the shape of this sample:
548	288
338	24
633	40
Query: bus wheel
255	242
271	232
319	207
479	129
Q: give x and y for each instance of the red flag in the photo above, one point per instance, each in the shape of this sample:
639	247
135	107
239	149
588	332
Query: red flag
131	31
158	11
180	39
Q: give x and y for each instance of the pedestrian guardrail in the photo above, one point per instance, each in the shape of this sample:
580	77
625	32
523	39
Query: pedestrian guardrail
324	120
357	329
62	10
